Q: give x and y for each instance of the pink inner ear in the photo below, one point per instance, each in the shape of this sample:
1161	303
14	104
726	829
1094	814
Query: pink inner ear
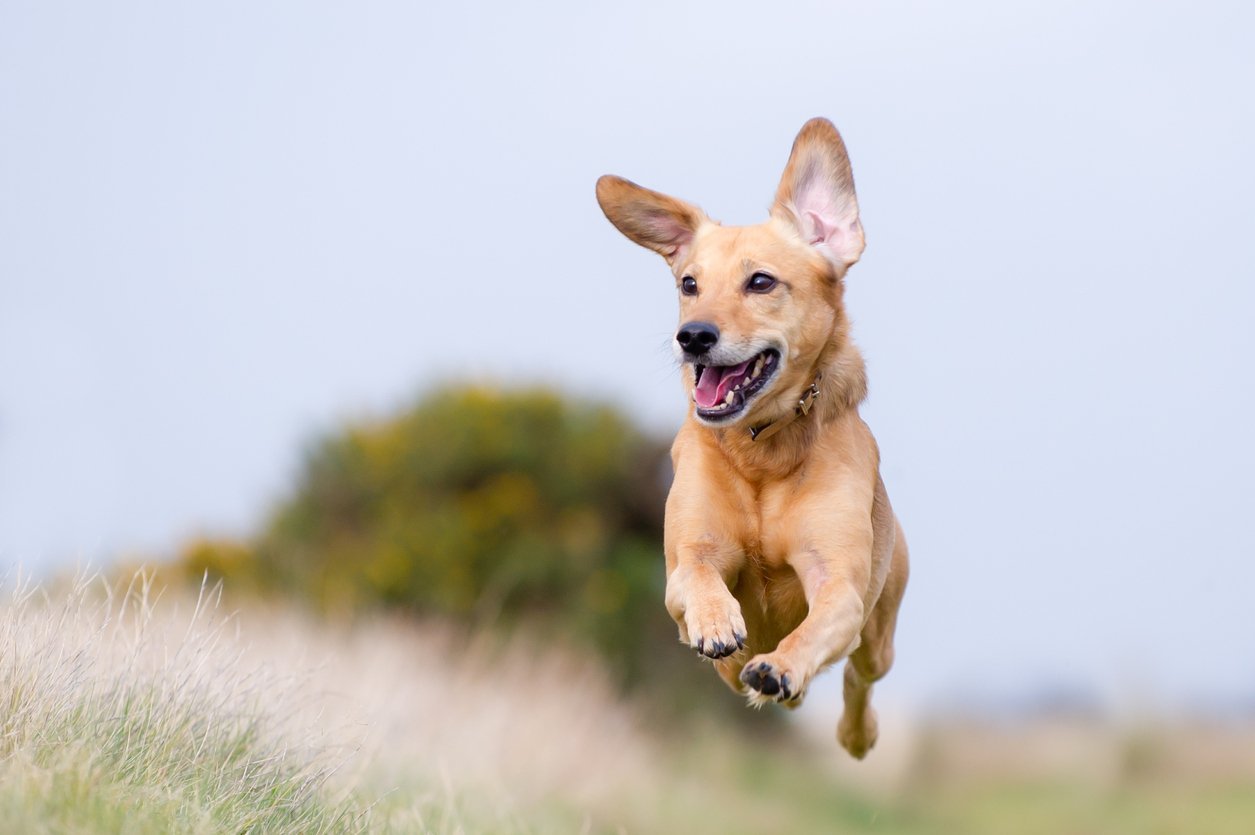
668	232
817	201
827	218
819	231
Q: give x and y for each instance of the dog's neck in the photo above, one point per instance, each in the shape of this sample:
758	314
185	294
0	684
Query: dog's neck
805	403
840	379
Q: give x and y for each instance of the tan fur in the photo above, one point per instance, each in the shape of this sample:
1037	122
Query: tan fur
787	544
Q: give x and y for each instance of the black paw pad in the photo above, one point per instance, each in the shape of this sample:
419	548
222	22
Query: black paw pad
764	678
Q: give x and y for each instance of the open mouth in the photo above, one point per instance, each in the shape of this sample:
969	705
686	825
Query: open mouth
724	390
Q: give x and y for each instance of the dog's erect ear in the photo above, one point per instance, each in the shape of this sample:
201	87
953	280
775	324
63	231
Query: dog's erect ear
664	224
816	194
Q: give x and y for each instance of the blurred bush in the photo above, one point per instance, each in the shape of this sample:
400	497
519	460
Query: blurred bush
490	507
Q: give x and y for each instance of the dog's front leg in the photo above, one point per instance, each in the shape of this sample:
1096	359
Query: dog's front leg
704	551
699	599
832	560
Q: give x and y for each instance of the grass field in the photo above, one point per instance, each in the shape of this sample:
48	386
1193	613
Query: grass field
127	712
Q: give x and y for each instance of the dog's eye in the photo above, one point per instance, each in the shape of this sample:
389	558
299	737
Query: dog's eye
760	283
688	285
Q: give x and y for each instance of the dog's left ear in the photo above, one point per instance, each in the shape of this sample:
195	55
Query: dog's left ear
816	194
654	220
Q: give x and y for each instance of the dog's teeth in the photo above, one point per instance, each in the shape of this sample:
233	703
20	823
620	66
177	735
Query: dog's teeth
758	368
731	397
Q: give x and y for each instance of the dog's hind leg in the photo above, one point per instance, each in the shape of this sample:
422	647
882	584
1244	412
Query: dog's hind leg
857	729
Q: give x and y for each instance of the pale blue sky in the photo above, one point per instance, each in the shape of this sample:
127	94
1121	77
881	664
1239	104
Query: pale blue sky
226	226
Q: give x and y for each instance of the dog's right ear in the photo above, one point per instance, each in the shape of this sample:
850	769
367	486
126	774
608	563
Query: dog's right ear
816	194
664	224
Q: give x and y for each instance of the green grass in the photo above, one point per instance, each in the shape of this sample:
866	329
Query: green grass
1049	807
734	790
108	728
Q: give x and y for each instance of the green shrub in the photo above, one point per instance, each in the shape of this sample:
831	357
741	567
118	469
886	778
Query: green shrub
489	507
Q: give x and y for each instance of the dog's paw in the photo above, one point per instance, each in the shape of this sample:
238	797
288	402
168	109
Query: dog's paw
769	680
715	628
857	734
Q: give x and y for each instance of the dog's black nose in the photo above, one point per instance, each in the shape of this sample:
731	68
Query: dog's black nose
697	338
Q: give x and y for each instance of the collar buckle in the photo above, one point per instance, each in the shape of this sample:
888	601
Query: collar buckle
807	399
803	408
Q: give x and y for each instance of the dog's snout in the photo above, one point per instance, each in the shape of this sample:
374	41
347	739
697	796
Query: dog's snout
697	338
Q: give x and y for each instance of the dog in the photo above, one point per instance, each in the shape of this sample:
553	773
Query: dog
783	554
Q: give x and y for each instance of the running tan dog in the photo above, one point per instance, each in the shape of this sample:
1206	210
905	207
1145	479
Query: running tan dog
783	554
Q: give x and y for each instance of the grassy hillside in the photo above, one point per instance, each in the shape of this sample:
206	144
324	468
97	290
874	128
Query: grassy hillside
126	712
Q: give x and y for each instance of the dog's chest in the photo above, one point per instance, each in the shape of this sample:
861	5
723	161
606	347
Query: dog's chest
769	585
774	532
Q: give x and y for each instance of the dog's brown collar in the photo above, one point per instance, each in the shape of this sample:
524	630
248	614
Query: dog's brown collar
802	409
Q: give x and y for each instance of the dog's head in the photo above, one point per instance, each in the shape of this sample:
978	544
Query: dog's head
758	304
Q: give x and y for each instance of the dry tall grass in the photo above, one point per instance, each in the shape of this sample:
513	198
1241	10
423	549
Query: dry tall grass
127	712
511	722
117	719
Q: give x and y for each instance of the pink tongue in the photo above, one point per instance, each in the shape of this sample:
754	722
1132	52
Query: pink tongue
712	386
